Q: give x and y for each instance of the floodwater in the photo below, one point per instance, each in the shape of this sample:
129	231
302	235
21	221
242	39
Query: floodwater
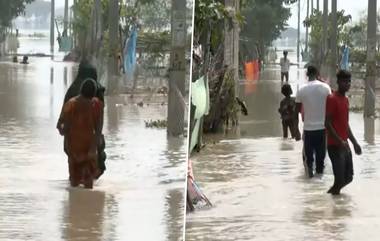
257	184
140	196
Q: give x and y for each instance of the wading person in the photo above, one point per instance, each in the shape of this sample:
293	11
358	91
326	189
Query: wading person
88	71
288	113
81	126
285	64
312	98
338	131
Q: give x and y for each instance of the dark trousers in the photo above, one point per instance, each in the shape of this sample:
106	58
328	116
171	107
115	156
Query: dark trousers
315	144
286	75
343	169
102	155
292	126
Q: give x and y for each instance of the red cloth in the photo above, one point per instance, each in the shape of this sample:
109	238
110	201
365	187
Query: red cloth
337	108
81	117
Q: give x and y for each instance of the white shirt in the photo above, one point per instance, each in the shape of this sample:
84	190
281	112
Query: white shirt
313	98
285	64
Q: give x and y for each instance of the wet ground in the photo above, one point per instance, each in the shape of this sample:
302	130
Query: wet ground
257	183
140	197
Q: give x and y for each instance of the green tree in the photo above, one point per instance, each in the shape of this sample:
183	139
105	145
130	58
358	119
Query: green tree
315	22
264	22
10	10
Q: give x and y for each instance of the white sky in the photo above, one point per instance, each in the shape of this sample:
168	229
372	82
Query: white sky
60	3
353	7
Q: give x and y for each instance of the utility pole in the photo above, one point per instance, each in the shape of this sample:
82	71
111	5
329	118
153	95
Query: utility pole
318	5
311	7
298	31
73	33
307	28
333	45
52	17
324	48
66	17
177	74
370	83
231	43
113	67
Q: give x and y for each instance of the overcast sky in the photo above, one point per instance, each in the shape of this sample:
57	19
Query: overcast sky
353	7
60	3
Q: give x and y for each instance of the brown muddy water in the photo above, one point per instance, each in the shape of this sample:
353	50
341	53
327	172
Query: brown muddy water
257	183
140	196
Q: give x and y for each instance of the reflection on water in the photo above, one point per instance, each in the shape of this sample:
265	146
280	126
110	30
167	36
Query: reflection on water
84	215
141	190
258	186
369	130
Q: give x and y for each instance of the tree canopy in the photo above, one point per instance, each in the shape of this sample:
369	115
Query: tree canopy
315	21
10	10
264	22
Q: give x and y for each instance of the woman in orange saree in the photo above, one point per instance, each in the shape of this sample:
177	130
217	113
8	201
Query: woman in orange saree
81	125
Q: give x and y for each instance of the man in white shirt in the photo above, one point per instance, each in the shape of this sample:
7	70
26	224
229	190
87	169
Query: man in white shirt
312	97
285	64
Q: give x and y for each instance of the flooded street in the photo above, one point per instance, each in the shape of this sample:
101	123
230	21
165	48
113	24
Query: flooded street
256	181
140	196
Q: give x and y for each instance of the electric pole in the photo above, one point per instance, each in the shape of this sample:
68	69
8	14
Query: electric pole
66	17
52	22
324	44
307	28
298	31
333	45
177	74
370	83
113	67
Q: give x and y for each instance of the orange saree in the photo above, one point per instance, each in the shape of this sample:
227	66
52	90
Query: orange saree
81	119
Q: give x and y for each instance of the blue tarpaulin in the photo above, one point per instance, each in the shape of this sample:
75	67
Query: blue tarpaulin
345	57
130	53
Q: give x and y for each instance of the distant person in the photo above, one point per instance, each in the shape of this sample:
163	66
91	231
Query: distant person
288	113
25	60
86	71
339	131
312	99
285	64
81	125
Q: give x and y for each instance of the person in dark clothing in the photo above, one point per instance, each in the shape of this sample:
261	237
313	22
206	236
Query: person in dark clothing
86	71
288	113
339	131
81	127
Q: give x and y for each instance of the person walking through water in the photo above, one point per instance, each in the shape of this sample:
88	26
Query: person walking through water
312	99
288	113
81	125
85	71
285	64
338	131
